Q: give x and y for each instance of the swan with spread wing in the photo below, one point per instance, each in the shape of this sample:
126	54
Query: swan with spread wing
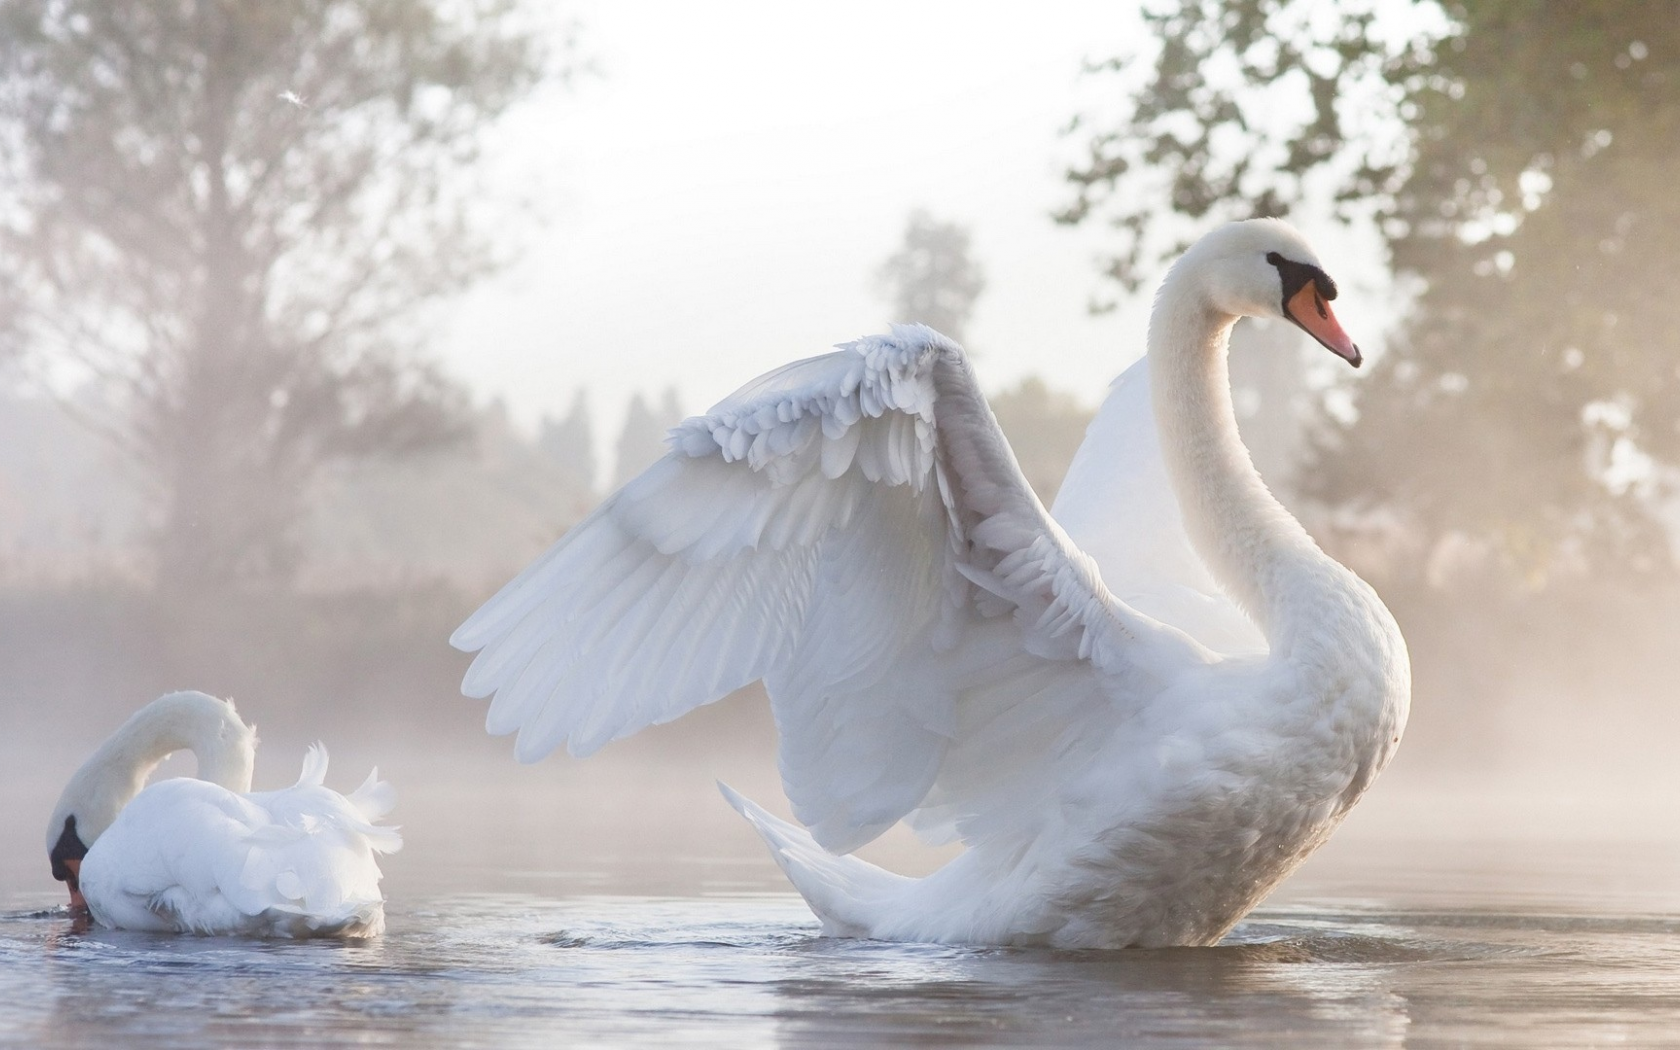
1139	712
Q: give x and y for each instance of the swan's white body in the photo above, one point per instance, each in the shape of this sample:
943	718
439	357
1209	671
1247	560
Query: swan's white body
1134	756
210	856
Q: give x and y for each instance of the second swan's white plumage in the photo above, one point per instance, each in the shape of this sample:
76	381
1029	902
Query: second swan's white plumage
209	855
1139	713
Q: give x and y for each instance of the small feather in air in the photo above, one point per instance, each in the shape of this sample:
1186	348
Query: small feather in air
292	97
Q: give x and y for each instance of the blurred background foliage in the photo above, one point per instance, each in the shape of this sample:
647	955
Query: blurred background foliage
1514	156
226	220
934	278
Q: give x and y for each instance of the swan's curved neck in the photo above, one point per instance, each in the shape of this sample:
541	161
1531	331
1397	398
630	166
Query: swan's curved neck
1249	541
224	746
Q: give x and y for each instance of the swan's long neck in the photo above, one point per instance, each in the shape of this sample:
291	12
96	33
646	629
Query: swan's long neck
224	746
1251	544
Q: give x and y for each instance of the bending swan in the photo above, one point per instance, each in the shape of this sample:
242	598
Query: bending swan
206	855
1140	713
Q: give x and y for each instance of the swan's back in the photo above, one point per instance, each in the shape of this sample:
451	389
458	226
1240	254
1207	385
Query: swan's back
189	856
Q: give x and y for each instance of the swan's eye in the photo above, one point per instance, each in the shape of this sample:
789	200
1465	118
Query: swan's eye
1297	275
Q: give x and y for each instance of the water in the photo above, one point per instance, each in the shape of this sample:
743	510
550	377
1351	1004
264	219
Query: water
523	969
594	904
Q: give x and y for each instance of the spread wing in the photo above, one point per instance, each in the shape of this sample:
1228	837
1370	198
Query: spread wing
854	530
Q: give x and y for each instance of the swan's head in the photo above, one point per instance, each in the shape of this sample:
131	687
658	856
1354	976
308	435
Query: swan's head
1265	268
66	847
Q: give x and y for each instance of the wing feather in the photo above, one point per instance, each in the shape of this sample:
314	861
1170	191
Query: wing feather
854	530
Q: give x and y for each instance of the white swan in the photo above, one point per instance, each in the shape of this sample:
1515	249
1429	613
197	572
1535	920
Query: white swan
1134	756
207	855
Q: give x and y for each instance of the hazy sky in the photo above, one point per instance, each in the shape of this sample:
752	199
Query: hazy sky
722	193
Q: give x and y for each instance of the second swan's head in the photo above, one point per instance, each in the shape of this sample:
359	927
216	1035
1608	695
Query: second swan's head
1264	268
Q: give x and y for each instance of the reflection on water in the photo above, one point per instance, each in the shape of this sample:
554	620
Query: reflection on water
513	970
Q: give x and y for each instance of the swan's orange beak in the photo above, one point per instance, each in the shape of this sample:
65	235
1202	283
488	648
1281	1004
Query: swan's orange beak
1309	309
77	901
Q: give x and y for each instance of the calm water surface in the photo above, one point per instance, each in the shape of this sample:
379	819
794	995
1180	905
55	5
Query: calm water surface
518	969
597	906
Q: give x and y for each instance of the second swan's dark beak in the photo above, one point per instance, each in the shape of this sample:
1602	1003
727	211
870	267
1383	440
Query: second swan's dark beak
66	858
77	901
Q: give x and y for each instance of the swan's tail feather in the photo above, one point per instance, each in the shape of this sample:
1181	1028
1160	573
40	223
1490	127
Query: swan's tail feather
851	896
375	798
314	765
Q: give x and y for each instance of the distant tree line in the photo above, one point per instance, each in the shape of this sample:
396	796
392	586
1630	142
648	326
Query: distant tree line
469	513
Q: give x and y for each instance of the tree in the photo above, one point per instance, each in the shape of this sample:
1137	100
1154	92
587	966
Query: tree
932	279
467	516
1045	428
1515	155
228	216
569	444
642	438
